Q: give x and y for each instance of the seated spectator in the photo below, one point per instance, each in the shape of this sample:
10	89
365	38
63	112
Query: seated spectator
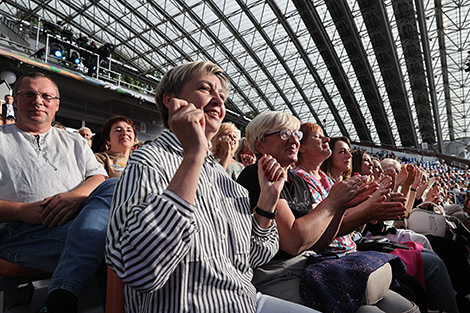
10	119
304	227
182	236
119	134
54	200
341	159
438	278
382	205
98	144
86	133
377	170
2	120
224	144
243	153
58	125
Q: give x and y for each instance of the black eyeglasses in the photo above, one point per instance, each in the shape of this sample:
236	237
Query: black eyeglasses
286	133
31	95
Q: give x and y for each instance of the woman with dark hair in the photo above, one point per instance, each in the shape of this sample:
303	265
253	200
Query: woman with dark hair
119	135
436	277
340	155
361	163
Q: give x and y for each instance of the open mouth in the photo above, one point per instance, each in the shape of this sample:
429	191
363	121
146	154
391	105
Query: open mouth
213	113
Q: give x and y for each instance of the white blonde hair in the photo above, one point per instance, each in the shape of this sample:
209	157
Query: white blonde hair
267	123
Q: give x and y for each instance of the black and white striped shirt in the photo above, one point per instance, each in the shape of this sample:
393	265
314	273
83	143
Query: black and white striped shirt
178	257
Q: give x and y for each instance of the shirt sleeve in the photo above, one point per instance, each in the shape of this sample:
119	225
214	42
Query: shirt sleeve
88	160
150	229
264	244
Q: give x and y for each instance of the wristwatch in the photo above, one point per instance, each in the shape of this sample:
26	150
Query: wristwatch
266	214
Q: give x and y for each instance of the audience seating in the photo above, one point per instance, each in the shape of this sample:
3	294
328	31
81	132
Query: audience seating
114	293
13	277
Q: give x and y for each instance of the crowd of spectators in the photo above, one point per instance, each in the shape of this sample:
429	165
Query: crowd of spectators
221	223
453	182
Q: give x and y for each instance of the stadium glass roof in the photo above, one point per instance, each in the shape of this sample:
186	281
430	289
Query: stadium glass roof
386	72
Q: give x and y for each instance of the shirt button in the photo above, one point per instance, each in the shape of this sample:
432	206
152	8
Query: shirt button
223	236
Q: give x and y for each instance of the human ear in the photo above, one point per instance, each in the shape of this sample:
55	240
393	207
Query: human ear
167	96
259	146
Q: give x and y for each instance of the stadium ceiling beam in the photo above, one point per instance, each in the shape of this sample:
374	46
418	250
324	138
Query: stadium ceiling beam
427	59
411	46
444	67
218	12
232	58
230	104
311	69
153	48
344	21
29	13
125	41
380	34
280	58
226	51
318	32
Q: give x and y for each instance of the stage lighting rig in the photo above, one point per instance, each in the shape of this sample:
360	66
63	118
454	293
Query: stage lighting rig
106	50
57	49
73	55
67	35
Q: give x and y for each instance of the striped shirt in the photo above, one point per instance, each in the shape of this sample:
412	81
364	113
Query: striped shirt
178	257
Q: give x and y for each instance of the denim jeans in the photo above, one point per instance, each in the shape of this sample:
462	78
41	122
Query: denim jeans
439	289
73	252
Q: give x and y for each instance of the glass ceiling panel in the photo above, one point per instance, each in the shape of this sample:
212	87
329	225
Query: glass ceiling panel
266	66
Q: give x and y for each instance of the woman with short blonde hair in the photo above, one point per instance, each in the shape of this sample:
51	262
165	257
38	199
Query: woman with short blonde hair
224	144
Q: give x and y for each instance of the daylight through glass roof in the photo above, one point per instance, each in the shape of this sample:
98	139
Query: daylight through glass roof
384	72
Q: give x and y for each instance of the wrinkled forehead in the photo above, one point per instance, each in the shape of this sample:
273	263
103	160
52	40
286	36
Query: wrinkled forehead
42	83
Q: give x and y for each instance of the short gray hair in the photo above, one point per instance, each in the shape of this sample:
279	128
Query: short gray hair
175	78
34	75
267	123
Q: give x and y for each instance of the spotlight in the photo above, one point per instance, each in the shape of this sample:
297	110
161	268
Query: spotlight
49	28
106	50
90	61
82	42
57	49
74	56
67	35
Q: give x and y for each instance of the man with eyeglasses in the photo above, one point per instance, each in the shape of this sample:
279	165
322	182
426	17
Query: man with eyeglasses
54	199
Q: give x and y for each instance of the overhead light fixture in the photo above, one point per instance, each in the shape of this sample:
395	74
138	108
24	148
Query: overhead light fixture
67	35
74	56
106	50
49	28
90	61
57	49
82	42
